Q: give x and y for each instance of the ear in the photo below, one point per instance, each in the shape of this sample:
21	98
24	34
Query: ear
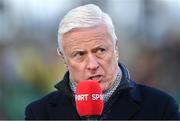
62	57
60	53
116	51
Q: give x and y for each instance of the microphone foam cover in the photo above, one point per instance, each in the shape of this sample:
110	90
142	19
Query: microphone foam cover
89	99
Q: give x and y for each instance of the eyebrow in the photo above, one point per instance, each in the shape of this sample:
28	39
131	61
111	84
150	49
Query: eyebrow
93	49
77	50
97	47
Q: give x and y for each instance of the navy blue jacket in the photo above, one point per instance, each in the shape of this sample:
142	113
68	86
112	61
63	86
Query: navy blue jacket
129	101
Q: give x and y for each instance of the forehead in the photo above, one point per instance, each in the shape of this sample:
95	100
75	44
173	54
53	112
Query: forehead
80	35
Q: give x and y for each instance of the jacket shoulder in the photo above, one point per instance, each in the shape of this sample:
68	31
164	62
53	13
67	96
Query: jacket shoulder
149	92
39	106
44	100
161	101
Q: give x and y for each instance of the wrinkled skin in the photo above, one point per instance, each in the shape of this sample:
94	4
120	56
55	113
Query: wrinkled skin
90	54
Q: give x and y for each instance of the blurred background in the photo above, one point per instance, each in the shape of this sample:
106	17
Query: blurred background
149	44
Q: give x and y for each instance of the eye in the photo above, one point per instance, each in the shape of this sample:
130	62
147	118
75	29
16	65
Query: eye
78	56
101	52
102	49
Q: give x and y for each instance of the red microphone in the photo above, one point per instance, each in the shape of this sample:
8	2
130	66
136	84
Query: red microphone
89	99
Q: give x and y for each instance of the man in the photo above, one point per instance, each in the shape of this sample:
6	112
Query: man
88	46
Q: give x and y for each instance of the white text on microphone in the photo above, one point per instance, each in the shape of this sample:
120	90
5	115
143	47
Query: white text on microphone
82	97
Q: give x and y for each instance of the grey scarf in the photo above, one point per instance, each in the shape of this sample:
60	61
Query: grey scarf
107	94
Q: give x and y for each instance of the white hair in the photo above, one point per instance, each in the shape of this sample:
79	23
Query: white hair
83	17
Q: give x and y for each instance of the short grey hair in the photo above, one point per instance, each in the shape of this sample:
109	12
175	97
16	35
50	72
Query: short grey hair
83	17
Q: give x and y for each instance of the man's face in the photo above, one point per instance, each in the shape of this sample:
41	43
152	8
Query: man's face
89	54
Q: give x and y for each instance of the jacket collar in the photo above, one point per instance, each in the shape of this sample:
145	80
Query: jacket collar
125	99
63	85
127	83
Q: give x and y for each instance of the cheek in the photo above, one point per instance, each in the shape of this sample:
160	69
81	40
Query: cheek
111	63
110	67
76	71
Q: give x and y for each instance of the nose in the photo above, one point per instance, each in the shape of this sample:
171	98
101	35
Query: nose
92	63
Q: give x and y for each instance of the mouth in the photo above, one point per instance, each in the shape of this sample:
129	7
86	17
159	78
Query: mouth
96	77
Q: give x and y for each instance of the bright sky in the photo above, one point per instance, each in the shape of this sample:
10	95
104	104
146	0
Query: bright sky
40	9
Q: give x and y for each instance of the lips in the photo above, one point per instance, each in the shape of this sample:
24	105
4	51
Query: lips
96	77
